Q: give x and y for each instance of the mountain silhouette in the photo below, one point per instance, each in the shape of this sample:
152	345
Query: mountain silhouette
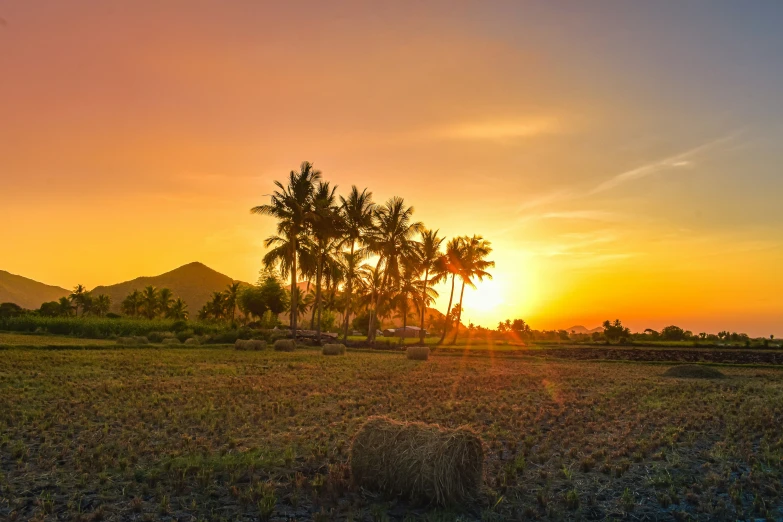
27	293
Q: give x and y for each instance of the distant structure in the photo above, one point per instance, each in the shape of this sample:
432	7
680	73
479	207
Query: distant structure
408	331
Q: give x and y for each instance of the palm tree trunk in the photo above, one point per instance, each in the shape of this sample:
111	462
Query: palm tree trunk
423	305
448	311
404	321
349	292
373	313
318	275
294	291
459	314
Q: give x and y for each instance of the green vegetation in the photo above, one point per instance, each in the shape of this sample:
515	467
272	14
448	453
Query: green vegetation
221	434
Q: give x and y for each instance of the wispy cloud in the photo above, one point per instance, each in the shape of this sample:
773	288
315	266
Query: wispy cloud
497	130
681	160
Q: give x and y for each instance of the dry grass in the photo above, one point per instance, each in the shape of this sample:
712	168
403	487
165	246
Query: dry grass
693	371
250	345
192	341
418	461
418	353
132	341
285	345
333	349
170	341
20	339
211	433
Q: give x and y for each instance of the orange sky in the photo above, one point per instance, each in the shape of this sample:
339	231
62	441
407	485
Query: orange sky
624	161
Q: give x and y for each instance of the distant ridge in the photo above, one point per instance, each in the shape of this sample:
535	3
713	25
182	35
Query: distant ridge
27	293
193	282
579	329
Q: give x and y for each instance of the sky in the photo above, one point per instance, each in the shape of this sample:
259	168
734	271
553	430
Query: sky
623	158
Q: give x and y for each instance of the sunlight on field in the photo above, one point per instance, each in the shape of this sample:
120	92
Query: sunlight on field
13	339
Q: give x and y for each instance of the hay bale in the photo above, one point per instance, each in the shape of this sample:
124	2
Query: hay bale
126	341
334	349
140	339
419	353
171	340
250	344
693	371
418	461
285	345
192	341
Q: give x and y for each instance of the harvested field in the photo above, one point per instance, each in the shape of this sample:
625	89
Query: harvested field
733	356
181	433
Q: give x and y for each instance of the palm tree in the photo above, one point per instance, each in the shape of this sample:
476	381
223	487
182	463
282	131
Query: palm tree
325	225
178	310
392	239
357	212
474	265
231	295
449	264
132	303
290	205
101	304
429	254
216	307
64	307
77	298
407	287
150	301
165	298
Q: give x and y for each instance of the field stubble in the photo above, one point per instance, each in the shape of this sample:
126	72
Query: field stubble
220	434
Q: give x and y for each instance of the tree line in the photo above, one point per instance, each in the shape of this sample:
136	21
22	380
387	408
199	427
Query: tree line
327	240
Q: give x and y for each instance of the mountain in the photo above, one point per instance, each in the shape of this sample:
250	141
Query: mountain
582	330
193	282
26	292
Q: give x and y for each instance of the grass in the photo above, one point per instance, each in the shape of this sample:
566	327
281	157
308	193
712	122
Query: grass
219	434
36	340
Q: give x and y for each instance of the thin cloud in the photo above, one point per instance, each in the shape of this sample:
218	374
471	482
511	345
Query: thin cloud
681	160
497	130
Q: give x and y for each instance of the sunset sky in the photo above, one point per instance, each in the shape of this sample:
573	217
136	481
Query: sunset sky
624	158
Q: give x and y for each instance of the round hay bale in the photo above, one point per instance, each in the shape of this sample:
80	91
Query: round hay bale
240	344
127	341
192	341
418	461
140	339
693	371
171	340
334	349
285	345
419	353
256	345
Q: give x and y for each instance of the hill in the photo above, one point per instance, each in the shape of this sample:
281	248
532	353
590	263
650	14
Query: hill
579	329
27	293
193	282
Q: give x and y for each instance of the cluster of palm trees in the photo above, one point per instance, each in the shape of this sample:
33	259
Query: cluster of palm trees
328	241
222	306
153	302
80	303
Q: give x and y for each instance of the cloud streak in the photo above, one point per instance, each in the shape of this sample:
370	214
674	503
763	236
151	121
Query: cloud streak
681	160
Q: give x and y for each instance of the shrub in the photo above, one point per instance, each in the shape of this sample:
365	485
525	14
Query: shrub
334	349
422	462
284	345
419	353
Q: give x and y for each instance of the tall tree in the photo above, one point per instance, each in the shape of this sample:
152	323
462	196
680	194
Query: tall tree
474	266
392	240
150	301
165	297
357	212
290	205
77	298
132	303
429	254
325	223
449	264
101	305
178	310
232	294
64	307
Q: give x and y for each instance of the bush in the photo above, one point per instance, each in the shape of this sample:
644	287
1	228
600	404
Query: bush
159	337
285	345
100	327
